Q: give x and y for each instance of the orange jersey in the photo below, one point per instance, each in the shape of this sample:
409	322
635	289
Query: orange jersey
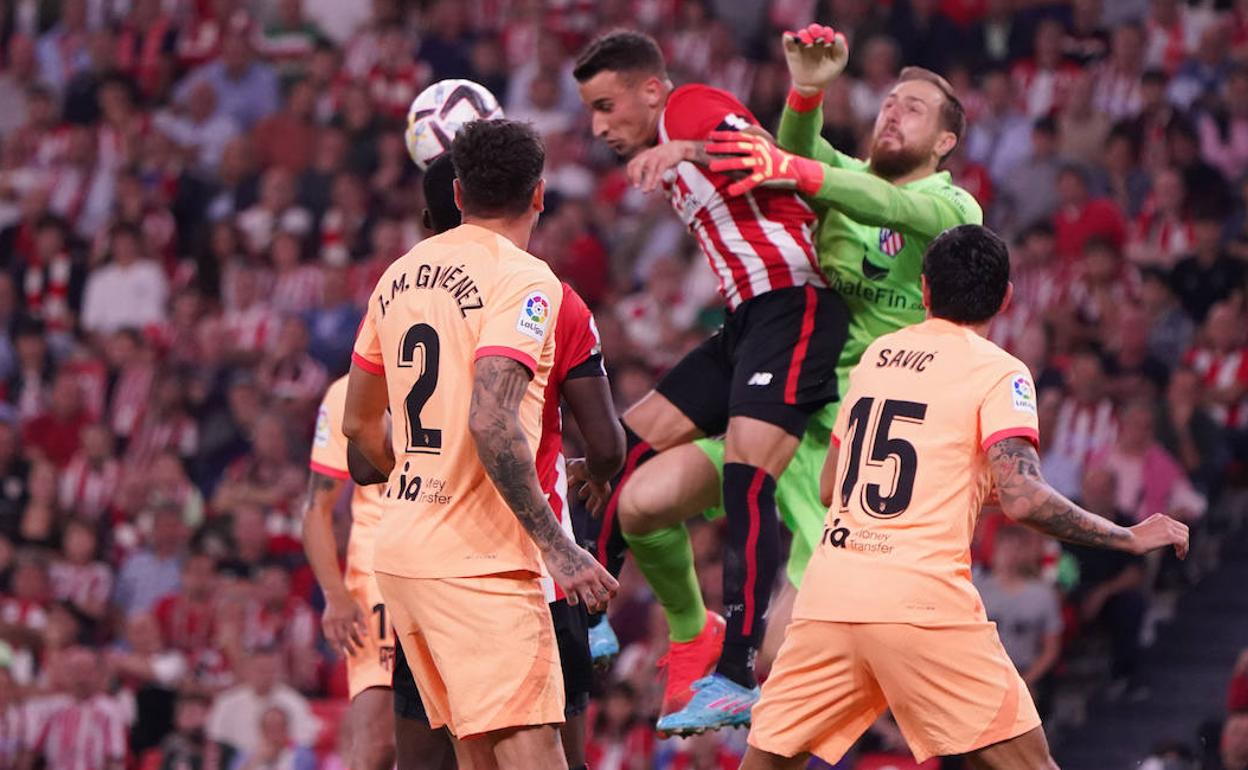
454	298
923	406
329	457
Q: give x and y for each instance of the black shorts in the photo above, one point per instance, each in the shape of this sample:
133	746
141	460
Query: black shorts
774	360
571	634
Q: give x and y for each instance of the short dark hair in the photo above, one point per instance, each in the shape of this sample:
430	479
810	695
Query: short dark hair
499	165
621	50
952	115
968	272
440	194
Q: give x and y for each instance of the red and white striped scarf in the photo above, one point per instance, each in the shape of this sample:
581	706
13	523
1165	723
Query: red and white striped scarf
89	489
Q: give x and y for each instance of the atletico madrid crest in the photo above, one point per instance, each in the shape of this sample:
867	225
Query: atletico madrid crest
891	242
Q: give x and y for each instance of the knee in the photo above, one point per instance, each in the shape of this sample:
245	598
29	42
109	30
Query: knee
640	510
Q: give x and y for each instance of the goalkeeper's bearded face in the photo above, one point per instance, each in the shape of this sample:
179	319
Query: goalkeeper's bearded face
909	133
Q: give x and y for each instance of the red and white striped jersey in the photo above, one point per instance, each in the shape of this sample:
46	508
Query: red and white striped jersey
13	734
577	354
1219	371
88	489
87	735
756	242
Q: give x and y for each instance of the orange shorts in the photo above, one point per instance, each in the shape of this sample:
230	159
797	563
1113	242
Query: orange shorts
373	665
482	650
952	689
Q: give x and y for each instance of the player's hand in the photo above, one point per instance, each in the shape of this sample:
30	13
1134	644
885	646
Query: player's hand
815	55
763	163
1159	531
593	494
579	574
646	170
343	623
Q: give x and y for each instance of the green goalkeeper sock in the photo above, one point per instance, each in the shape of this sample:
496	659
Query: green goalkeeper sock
665	557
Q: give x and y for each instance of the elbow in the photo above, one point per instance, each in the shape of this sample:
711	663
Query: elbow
352	426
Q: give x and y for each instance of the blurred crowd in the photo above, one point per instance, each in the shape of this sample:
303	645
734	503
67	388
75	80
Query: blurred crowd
197	196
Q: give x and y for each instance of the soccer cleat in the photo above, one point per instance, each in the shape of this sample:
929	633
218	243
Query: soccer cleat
687	662
717	702
603	643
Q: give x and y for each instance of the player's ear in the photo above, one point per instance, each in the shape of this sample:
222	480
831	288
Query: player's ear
1009	297
459	194
539	196
426	220
653	90
927	293
945	143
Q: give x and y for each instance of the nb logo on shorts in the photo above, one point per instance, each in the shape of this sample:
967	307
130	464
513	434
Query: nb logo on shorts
760	379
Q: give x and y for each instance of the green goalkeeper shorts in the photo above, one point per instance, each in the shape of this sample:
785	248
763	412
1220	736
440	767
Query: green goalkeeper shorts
797	491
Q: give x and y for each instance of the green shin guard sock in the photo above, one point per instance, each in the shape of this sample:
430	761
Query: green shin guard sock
665	557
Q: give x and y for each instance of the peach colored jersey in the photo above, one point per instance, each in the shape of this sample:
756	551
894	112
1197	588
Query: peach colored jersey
453	299
329	457
923	406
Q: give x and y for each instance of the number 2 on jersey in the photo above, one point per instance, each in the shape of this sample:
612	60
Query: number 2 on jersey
883	447
420	347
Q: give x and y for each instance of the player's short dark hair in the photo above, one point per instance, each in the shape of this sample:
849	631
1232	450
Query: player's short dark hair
499	165
952	115
968	272
621	50
440	194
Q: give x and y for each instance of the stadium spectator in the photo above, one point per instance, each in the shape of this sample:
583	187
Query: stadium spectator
55	434
1149	479
150	674
199	128
1208	275
1111	583
276	750
1170	329
1029	192
1081	216
129	292
235	718
287	138
1163	230
1024	607
154	571
188	746
247	90
1082	422
78	577
89	732
1221	360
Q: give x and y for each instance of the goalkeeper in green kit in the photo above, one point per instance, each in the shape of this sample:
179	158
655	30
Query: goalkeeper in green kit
876	218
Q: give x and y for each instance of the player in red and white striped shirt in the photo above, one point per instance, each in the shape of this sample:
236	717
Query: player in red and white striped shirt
772	365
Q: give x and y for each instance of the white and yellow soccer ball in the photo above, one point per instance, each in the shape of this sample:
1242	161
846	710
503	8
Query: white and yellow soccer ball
438	112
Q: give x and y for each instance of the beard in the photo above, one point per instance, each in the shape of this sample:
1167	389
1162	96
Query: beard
894	164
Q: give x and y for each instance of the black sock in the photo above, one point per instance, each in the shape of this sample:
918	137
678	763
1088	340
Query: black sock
579	767
610	547
751	561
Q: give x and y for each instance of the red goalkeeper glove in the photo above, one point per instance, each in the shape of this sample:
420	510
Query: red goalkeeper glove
763	162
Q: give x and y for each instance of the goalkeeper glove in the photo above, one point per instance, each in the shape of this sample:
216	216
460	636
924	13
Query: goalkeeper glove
816	55
763	162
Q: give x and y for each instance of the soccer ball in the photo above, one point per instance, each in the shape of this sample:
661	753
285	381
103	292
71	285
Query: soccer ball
438	113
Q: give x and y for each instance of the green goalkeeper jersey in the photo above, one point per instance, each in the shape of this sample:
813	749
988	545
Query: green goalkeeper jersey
871	236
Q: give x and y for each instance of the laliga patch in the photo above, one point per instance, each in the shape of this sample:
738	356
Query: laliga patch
1024	394
321	438
534	316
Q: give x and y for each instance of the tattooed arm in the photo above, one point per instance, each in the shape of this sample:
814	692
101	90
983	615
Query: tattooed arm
498	387
1027	498
343	620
